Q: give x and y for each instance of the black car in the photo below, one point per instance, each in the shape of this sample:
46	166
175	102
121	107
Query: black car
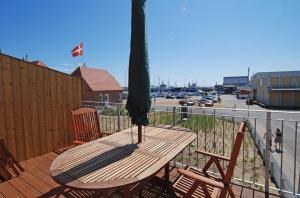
249	101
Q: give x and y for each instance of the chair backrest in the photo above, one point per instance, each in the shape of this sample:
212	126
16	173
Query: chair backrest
235	152
85	125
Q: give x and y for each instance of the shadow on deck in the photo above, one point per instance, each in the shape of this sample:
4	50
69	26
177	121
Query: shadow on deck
37	182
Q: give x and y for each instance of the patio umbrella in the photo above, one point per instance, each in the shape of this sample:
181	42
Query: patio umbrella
139	101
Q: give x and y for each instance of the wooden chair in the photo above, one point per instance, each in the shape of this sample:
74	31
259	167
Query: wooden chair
86	125
9	167
192	182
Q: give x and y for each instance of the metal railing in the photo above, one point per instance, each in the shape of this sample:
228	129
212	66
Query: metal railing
259	165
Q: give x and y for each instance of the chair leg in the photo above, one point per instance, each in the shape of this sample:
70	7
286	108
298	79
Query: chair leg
230	191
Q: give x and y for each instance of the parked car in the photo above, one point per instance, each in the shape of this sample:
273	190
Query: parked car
153	95
202	100
182	102
249	101
209	103
180	96
190	103
161	95
169	96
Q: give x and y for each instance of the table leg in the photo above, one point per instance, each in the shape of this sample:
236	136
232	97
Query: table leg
126	192
167	172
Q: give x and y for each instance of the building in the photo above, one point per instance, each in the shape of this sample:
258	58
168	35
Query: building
277	89
231	83
98	85
243	92
39	63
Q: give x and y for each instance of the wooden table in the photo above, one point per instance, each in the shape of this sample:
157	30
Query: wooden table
114	162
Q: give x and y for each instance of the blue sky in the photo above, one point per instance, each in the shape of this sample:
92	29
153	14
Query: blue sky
188	40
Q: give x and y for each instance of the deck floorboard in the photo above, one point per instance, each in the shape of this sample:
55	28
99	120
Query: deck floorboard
36	182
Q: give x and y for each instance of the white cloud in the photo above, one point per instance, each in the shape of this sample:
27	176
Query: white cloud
66	64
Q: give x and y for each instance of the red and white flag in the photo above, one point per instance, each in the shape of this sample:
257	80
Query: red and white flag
78	50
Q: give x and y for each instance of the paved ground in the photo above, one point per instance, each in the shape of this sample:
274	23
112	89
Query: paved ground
289	130
285	120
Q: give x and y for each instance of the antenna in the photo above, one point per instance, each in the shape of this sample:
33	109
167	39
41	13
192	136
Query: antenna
248	74
125	85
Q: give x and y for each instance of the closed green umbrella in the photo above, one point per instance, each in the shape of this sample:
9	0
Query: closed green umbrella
139	101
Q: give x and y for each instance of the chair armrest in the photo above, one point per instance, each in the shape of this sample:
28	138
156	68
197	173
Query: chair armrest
201	179
78	142
106	133
213	155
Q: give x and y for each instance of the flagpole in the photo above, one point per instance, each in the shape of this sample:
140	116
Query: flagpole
83	64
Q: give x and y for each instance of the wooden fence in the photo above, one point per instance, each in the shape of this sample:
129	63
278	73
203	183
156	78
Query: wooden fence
35	105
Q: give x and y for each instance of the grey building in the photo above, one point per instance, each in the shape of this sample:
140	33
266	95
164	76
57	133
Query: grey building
277	89
231	83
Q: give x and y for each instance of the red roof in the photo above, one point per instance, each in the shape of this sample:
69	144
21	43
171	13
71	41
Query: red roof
98	79
39	63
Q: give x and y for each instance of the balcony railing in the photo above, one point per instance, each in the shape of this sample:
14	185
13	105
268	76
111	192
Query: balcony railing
267	169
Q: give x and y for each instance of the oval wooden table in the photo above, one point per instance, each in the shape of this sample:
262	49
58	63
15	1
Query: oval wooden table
115	162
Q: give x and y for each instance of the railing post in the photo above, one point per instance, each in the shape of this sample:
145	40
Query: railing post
174	116
267	153
295	157
299	182
272	173
282	187
119	120
154	119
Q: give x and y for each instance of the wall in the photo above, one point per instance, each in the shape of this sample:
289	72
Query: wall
277	80
35	105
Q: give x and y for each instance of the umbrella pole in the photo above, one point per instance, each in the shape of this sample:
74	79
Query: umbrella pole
140	134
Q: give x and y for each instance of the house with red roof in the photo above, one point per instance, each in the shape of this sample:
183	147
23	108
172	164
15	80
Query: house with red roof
39	63
98	85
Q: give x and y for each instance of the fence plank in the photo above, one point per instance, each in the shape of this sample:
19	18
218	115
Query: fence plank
2	112
60	109
18	109
34	110
47	85
26	109
54	110
9	105
41	110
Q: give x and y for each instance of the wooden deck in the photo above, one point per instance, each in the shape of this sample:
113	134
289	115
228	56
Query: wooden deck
36	182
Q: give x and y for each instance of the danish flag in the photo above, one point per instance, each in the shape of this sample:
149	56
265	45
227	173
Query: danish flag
78	50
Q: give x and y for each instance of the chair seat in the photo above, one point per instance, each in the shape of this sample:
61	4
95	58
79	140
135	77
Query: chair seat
181	184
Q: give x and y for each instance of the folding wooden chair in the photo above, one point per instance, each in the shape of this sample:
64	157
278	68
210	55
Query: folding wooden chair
9	167
192	182
86	125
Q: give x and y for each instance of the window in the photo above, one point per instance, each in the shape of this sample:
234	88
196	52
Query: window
106	98
261	82
100	98
120	97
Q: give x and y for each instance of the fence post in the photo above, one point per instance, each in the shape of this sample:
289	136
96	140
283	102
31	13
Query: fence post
174	116
272	169
154	119
282	186
119	121
267	153
299	182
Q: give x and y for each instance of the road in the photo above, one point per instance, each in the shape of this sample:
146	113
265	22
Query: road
289	157
285	120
